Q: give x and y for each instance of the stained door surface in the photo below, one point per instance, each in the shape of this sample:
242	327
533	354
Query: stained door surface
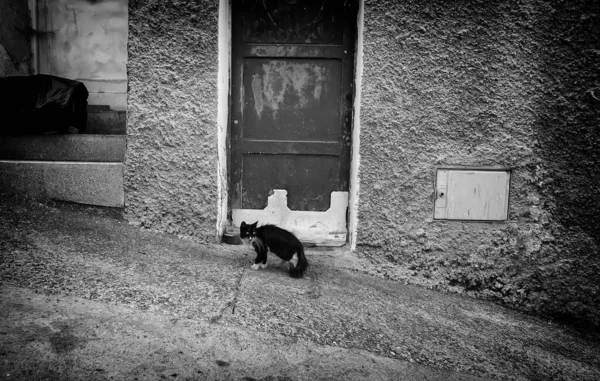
292	73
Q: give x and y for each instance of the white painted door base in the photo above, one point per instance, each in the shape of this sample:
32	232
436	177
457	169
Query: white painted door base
326	228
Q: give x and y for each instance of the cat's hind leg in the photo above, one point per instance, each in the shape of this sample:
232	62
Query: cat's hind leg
294	260
280	262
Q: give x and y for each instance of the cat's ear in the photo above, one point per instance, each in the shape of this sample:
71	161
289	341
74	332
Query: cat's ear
243	225
254	224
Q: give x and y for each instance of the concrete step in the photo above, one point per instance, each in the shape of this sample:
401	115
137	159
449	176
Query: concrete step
103	120
82	182
86	169
75	147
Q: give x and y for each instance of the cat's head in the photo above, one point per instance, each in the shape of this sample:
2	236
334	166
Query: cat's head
248	230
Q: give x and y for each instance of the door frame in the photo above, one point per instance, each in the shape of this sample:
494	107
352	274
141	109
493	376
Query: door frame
224	130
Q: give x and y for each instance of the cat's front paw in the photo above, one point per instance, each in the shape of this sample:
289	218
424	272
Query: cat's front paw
257	266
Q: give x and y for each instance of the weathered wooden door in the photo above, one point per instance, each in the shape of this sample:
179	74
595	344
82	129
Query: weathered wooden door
292	75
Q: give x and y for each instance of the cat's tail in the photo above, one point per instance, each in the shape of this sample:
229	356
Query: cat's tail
298	269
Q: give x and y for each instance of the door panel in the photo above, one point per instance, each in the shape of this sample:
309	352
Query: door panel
292	99
292	22
309	180
291	102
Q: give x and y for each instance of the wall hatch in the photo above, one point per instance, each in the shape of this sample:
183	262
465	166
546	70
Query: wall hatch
465	194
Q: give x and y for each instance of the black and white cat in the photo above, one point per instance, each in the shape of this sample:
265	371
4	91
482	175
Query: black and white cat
280	242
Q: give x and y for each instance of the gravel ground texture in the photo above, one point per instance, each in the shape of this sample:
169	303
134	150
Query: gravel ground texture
91	253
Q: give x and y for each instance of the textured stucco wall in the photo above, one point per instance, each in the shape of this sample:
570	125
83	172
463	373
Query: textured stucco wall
485	84
15	28
171	165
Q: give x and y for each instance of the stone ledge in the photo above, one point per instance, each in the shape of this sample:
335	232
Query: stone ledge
84	148
85	183
108	122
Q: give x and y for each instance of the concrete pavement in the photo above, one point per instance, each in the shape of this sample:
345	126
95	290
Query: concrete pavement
82	290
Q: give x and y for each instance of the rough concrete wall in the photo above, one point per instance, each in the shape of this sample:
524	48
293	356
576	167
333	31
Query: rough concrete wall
485	84
171	165
15	28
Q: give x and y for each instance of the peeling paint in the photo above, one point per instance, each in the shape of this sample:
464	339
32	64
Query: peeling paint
287	84
257	92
